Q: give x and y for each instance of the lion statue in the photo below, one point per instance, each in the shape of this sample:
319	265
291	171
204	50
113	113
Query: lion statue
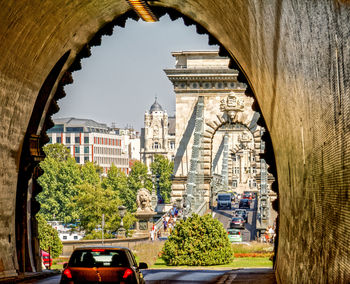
143	200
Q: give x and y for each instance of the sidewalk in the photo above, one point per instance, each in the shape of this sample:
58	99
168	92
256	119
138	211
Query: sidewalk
30	275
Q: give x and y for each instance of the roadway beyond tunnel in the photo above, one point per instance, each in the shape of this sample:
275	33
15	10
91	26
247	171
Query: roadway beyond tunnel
249	233
189	276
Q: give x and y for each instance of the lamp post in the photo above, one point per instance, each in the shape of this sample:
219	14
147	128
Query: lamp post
121	230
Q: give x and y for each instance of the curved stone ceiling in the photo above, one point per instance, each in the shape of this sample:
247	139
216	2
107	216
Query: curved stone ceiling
295	56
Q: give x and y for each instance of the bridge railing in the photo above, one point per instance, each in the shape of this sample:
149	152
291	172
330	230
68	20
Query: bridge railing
201	209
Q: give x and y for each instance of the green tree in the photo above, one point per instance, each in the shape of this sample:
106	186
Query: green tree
48	237
90	173
139	178
59	180
163	168
93	201
118	181
128	221
198	241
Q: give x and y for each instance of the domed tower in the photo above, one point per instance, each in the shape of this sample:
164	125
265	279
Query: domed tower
155	134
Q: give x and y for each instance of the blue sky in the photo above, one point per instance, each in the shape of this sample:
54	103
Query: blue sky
121	78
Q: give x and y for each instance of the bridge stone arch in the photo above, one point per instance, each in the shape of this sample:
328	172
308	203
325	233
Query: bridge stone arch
235	108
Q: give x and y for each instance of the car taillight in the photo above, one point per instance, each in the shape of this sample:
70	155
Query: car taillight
127	273
67	273
239	233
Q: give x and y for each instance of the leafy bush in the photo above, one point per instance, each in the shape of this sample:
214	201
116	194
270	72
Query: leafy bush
48	237
198	241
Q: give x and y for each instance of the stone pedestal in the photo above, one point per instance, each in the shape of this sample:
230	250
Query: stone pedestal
143	224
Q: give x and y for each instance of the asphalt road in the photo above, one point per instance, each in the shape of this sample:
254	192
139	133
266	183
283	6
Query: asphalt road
153	276
225	216
189	276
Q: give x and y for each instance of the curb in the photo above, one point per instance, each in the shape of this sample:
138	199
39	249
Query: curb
30	275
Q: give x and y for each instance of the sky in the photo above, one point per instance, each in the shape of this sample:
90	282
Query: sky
122	77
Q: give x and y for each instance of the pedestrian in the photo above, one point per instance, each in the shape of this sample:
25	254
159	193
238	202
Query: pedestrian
176	212
152	235
165	224
266	237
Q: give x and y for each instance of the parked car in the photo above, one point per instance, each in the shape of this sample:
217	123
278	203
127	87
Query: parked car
234	235
47	260
241	213
102	264
244	203
237	222
224	200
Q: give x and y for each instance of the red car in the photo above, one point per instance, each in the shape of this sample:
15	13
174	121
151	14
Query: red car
102	264
46	259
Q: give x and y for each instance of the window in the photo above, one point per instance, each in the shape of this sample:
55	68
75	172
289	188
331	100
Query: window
77	159
156	145
77	140
75	237
172	145
86	150
50	140
77	149
74	129
86	140
220	85
233	157
207	85
234	183
64	237
67	140
86	159
58	140
56	129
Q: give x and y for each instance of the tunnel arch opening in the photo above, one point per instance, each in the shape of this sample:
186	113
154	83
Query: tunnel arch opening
60	76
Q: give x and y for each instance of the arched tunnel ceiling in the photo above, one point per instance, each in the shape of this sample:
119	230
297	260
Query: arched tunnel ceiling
295	55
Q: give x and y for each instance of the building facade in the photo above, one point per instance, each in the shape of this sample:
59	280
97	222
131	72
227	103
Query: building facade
158	135
88	140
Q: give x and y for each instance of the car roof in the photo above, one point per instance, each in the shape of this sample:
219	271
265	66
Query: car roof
102	247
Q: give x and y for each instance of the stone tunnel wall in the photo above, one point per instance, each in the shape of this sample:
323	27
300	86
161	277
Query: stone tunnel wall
296	56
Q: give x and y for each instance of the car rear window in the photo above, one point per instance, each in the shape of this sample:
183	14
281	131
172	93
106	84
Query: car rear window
99	258
234	233
224	197
236	219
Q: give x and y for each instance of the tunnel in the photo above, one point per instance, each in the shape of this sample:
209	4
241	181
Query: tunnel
295	56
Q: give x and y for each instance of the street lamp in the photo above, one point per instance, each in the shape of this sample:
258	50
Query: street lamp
121	230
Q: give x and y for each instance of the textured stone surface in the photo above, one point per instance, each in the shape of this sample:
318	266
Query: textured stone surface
295	54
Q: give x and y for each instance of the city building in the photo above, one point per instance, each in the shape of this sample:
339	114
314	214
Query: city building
65	233
132	141
88	140
158	135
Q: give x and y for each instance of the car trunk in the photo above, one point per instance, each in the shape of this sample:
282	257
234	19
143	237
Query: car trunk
98	274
